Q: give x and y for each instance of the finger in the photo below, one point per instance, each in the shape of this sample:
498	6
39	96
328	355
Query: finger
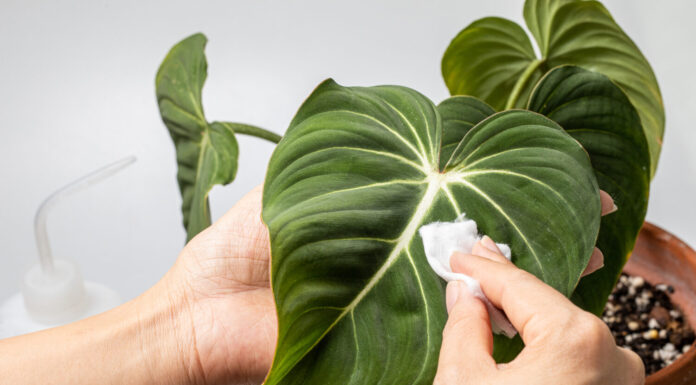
250	204
635	369
467	341
239	232
487	248
244	219
522	296
596	262
608	205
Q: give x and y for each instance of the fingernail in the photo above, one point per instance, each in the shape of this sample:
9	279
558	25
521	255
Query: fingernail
488	243
596	262
455	290
614	207
605	199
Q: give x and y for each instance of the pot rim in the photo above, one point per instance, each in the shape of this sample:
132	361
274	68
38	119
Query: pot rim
656	237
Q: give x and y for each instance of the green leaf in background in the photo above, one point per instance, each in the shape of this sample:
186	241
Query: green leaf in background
459	115
205	152
347	188
593	110
487	60
493	59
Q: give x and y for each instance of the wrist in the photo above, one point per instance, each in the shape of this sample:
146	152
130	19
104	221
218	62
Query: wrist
165	336
140	342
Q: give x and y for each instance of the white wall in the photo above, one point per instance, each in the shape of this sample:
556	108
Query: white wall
76	92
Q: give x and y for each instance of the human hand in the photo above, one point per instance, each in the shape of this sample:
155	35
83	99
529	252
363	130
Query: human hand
597	258
223	277
563	344
210	320
220	285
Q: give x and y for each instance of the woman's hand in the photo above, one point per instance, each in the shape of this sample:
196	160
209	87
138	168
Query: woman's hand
221	283
563	344
210	320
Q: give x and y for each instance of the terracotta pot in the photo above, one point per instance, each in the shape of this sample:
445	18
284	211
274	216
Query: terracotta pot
660	257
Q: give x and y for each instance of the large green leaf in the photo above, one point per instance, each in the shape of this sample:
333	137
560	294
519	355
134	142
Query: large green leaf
493	59
459	115
488	58
205	152
599	115
348	187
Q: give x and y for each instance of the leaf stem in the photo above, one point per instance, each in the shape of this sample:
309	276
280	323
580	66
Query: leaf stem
248	129
522	82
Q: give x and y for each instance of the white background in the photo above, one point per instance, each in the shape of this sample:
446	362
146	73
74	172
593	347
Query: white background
77	92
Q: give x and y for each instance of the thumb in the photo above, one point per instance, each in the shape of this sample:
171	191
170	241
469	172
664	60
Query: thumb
467	342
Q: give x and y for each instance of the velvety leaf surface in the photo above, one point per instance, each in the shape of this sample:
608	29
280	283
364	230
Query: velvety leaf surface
598	114
459	114
492	59
206	153
487	59
357	173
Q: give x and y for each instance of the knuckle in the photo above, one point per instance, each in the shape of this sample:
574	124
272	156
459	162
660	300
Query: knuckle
450	327
457	323
590	331
518	274
523	279
635	365
478	309
517	280
463	316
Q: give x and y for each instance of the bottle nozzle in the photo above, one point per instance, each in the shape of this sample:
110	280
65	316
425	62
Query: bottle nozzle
54	291
96	176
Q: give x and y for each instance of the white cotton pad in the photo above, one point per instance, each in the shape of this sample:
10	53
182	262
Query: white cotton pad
440	240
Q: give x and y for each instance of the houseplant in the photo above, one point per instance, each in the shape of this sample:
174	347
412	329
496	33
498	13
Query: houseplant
361	168
206	152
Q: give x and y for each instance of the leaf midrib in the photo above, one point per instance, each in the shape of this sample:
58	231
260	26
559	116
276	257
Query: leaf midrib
434	181
437	182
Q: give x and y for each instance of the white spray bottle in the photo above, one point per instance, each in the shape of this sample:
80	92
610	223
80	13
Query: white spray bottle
53	291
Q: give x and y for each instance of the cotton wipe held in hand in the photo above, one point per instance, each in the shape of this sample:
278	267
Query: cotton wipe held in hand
440	240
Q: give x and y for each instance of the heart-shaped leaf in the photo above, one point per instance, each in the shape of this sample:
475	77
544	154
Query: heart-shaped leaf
205	152
598	114
493	59
347	188
459	115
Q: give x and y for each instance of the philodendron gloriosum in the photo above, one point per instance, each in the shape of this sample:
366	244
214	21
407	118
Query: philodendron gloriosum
206	152
493	59
357	173
361	169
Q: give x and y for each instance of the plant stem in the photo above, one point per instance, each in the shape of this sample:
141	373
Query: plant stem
248	129
522	82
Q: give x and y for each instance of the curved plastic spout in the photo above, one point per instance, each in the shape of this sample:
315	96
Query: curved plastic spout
53	290
42	242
